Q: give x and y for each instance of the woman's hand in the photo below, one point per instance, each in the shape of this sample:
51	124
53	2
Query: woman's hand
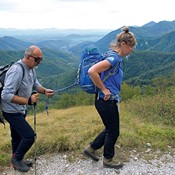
107	94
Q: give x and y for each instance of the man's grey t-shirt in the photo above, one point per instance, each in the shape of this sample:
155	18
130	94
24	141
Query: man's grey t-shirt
20	81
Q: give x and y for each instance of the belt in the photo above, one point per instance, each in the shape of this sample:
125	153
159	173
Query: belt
101	99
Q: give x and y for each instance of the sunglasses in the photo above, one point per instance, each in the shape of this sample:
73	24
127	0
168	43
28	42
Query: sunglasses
37	59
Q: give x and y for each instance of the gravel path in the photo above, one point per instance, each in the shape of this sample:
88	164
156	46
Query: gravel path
59	165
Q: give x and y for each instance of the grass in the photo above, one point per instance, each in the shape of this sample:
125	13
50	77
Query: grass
72	129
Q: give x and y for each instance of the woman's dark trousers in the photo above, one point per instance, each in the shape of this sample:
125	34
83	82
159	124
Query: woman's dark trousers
108	111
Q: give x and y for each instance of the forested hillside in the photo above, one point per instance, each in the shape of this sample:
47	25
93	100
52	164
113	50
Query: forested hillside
56	70
154	55
143	66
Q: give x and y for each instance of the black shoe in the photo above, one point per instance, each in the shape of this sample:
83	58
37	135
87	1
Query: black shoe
28	162
19	165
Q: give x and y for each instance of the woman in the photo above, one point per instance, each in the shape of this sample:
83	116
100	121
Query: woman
108	97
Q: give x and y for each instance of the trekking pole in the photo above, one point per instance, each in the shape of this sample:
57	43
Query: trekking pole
35	133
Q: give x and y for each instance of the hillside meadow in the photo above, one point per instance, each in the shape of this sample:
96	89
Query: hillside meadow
70	130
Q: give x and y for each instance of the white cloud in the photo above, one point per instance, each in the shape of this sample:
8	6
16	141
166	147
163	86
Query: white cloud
7	5
87	14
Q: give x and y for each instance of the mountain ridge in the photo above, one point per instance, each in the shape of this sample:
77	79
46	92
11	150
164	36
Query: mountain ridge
62	57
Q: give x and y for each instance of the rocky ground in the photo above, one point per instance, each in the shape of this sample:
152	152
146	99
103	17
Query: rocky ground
59	165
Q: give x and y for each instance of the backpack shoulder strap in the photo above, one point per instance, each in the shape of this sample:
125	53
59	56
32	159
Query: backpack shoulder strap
22	68
23	71
114	69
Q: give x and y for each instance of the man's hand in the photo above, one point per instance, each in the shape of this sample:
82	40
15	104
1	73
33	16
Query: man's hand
49	92
33	98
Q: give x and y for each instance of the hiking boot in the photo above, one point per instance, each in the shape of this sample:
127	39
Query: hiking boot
28	162
19	165
90	152
109	163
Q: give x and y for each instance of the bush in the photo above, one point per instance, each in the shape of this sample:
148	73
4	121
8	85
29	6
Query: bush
157	108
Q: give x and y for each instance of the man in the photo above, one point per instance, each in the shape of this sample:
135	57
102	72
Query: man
20	82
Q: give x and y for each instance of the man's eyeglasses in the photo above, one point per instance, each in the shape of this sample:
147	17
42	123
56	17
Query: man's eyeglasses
37	59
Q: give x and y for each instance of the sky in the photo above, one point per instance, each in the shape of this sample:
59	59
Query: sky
83	14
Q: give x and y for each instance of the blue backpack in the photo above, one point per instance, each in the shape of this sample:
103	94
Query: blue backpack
90	56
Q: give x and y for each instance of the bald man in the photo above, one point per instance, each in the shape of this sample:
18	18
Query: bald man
20	82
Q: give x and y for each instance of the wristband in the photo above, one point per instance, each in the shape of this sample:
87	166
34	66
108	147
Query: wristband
30	101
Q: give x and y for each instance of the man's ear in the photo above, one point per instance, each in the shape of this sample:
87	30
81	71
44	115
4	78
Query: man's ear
27	56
